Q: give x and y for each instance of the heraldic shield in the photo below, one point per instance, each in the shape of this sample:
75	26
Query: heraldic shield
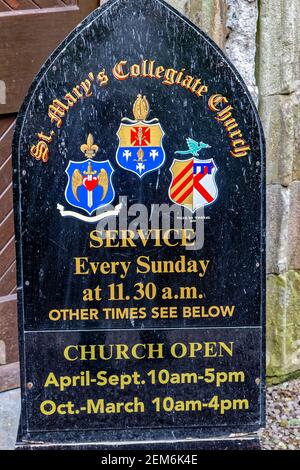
140	142
89	182
193	185
89	186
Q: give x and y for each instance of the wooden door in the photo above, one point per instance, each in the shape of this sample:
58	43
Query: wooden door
29	31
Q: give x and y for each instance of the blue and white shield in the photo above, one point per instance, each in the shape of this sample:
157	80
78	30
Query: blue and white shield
140	149
89	185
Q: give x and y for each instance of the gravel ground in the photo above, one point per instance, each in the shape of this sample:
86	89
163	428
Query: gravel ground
283	417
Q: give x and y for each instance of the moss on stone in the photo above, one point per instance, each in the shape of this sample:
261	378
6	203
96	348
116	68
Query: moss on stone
283	326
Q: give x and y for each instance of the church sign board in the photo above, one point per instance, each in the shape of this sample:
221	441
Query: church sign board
139	173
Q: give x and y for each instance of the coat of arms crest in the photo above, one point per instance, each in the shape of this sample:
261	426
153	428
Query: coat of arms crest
89	182
193	185
140	149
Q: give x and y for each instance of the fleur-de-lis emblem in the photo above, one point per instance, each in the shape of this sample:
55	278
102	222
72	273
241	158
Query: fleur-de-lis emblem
89	149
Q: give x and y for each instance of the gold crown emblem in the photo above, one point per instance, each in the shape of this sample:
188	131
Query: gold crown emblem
141	108
89	149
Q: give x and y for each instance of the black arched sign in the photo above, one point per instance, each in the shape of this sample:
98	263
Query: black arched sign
139	175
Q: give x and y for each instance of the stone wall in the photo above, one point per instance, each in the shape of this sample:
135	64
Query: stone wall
262	38
278	67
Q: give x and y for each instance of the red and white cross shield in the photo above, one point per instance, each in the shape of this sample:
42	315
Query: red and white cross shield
194	185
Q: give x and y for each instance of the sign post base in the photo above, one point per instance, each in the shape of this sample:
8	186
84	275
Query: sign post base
140	440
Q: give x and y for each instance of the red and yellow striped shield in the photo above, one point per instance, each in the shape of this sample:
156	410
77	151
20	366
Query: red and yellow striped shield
193	185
